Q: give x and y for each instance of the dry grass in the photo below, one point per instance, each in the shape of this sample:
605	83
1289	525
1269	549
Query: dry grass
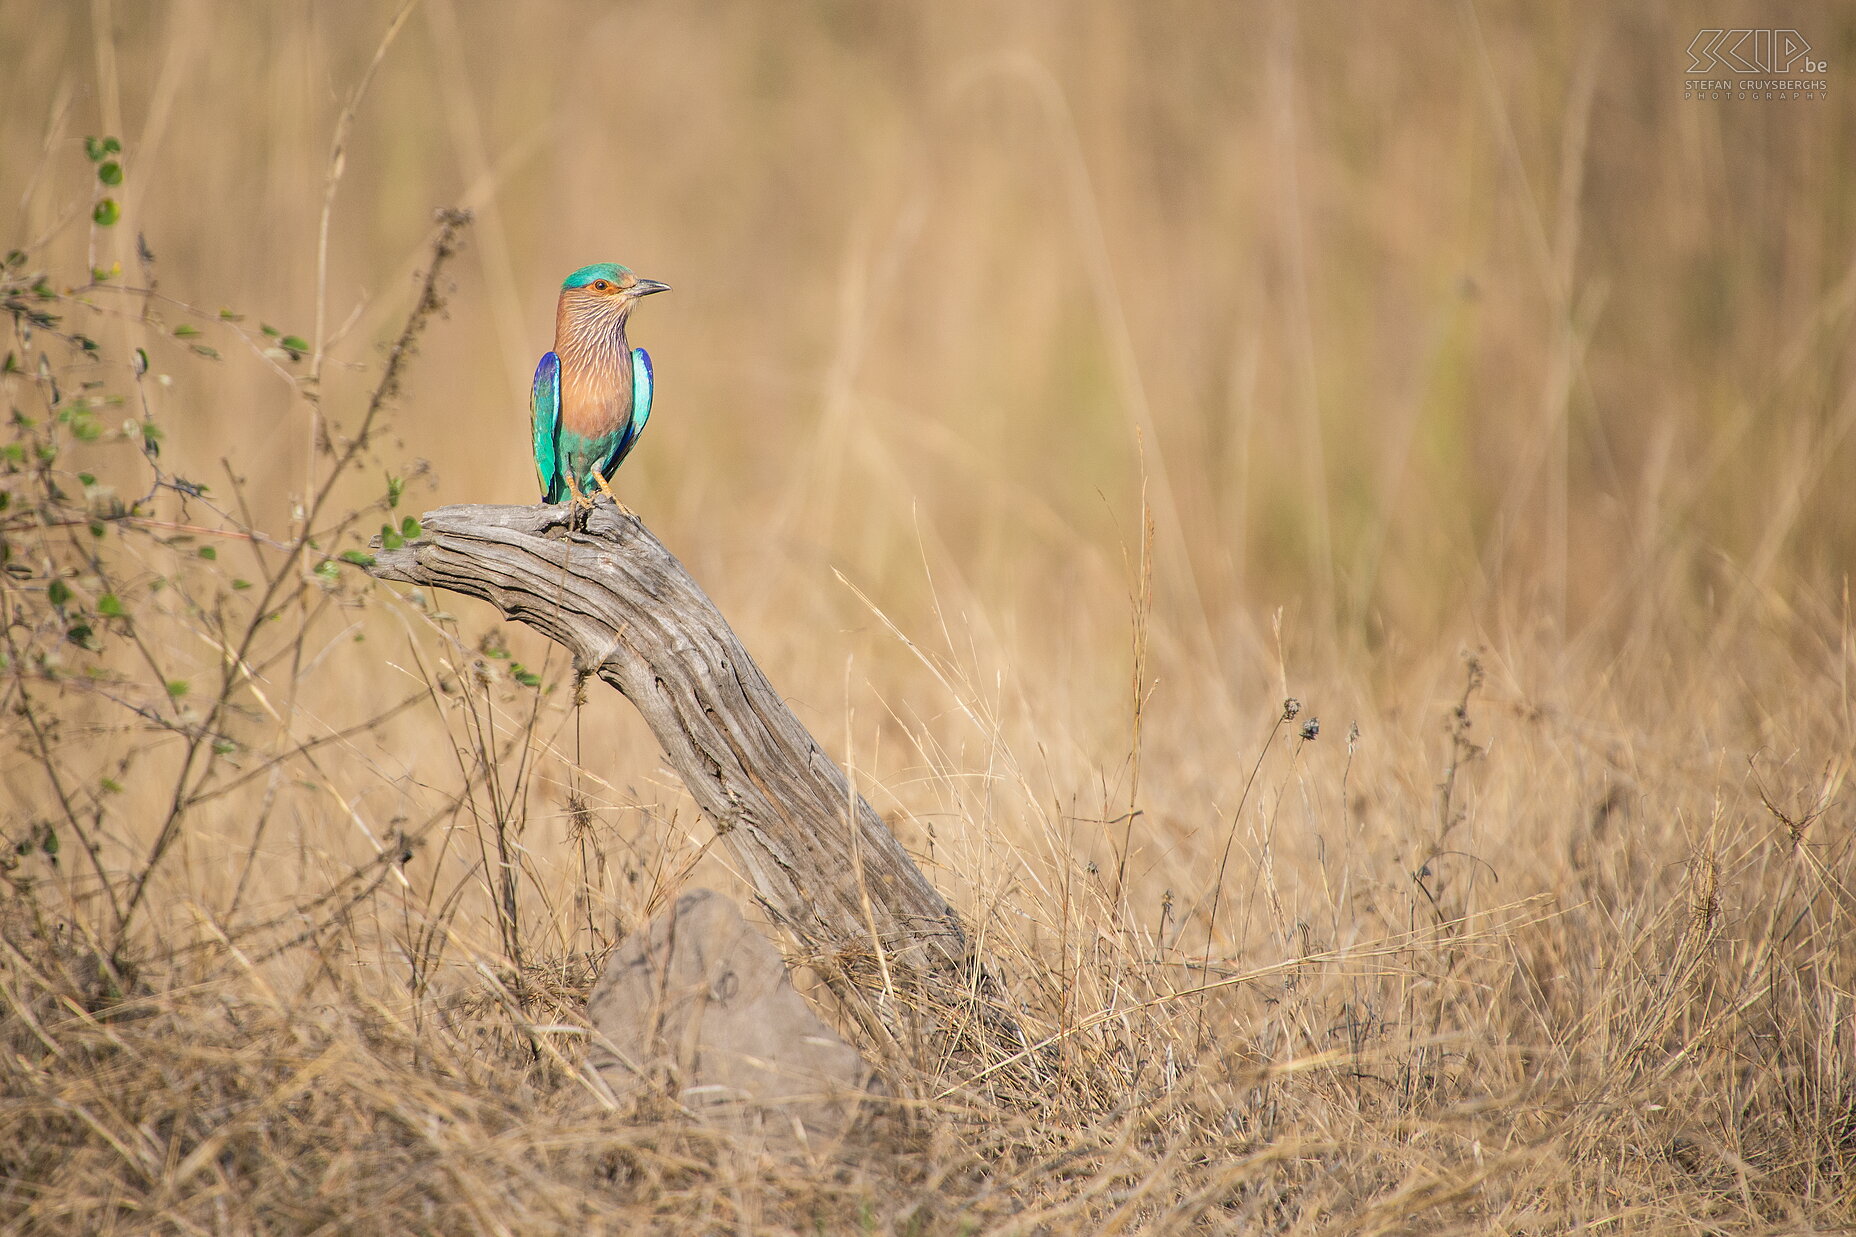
1048	393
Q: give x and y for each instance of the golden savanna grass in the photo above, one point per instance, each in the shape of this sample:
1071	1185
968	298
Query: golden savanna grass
1049	392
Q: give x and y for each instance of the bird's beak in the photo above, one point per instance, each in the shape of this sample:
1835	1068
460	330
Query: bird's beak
645	287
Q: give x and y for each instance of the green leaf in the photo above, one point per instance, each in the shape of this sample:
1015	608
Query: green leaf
390	538
409	528
141	362
177	688
395	487
57	593
241	585
106	213
86	479
208	553
49	843
227	315
359	558
211	354
93	147
110	173
269	330
224	747
327	570
110	786
528	678
186	330
110	606
295	345
111	146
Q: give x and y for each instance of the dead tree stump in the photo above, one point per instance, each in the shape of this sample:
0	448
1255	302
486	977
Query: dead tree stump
824	865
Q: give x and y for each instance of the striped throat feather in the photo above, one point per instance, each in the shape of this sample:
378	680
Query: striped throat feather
596	362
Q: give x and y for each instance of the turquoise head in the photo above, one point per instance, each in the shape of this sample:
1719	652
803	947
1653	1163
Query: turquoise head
611	279
598	298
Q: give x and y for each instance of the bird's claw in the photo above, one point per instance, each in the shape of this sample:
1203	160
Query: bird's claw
605	488
579	506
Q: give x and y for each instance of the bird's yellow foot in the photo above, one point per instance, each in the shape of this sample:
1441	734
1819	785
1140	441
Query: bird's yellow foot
606	489
579	506
580	497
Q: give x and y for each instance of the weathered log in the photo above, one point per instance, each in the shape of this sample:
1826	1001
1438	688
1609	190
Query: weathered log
822	862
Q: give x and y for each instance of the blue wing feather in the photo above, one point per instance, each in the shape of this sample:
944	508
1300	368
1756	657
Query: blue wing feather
544	409
643	384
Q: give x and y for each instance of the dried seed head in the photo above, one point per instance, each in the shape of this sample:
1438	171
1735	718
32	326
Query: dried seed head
1290	708
1311	728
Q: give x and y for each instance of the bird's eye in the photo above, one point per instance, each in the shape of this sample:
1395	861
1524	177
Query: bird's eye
600	285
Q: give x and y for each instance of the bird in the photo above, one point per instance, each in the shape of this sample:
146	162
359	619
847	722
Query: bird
592	394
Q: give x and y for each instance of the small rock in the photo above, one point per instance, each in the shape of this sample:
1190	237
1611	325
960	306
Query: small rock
698	1006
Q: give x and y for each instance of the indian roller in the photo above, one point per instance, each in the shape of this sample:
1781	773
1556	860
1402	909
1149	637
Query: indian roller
592	394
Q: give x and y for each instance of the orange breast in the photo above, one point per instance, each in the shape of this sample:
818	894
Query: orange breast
596	366
595	400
